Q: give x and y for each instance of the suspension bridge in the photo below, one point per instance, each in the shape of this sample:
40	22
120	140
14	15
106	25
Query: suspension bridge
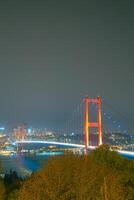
87	128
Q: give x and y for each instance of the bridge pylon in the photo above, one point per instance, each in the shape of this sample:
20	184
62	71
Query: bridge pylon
97	124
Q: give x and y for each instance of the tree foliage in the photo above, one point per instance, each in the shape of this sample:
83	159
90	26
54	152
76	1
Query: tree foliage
2	190
102	175
2	187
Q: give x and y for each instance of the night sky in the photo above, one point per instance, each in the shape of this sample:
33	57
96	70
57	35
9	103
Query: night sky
53	53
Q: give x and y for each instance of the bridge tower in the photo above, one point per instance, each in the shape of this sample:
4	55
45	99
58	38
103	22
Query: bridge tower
88	125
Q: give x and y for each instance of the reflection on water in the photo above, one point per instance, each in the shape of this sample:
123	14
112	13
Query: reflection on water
25	164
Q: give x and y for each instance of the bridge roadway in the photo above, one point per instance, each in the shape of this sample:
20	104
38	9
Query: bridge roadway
53	143
129	153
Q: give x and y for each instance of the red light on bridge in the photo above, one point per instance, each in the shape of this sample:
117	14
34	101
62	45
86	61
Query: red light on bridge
88	124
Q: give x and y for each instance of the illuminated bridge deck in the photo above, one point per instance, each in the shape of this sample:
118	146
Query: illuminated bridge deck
53	143
124	152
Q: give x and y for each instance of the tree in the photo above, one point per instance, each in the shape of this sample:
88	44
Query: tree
2	187
2	190
71	177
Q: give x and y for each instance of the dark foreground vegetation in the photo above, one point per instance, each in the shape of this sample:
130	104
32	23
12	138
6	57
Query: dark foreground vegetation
102	175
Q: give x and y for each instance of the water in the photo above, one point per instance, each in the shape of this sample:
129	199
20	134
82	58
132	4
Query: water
24	165
128	156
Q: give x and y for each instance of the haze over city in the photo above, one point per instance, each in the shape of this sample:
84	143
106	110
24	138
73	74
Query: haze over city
53	53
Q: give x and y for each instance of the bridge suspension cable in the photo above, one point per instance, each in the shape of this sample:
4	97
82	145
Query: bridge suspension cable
118	120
